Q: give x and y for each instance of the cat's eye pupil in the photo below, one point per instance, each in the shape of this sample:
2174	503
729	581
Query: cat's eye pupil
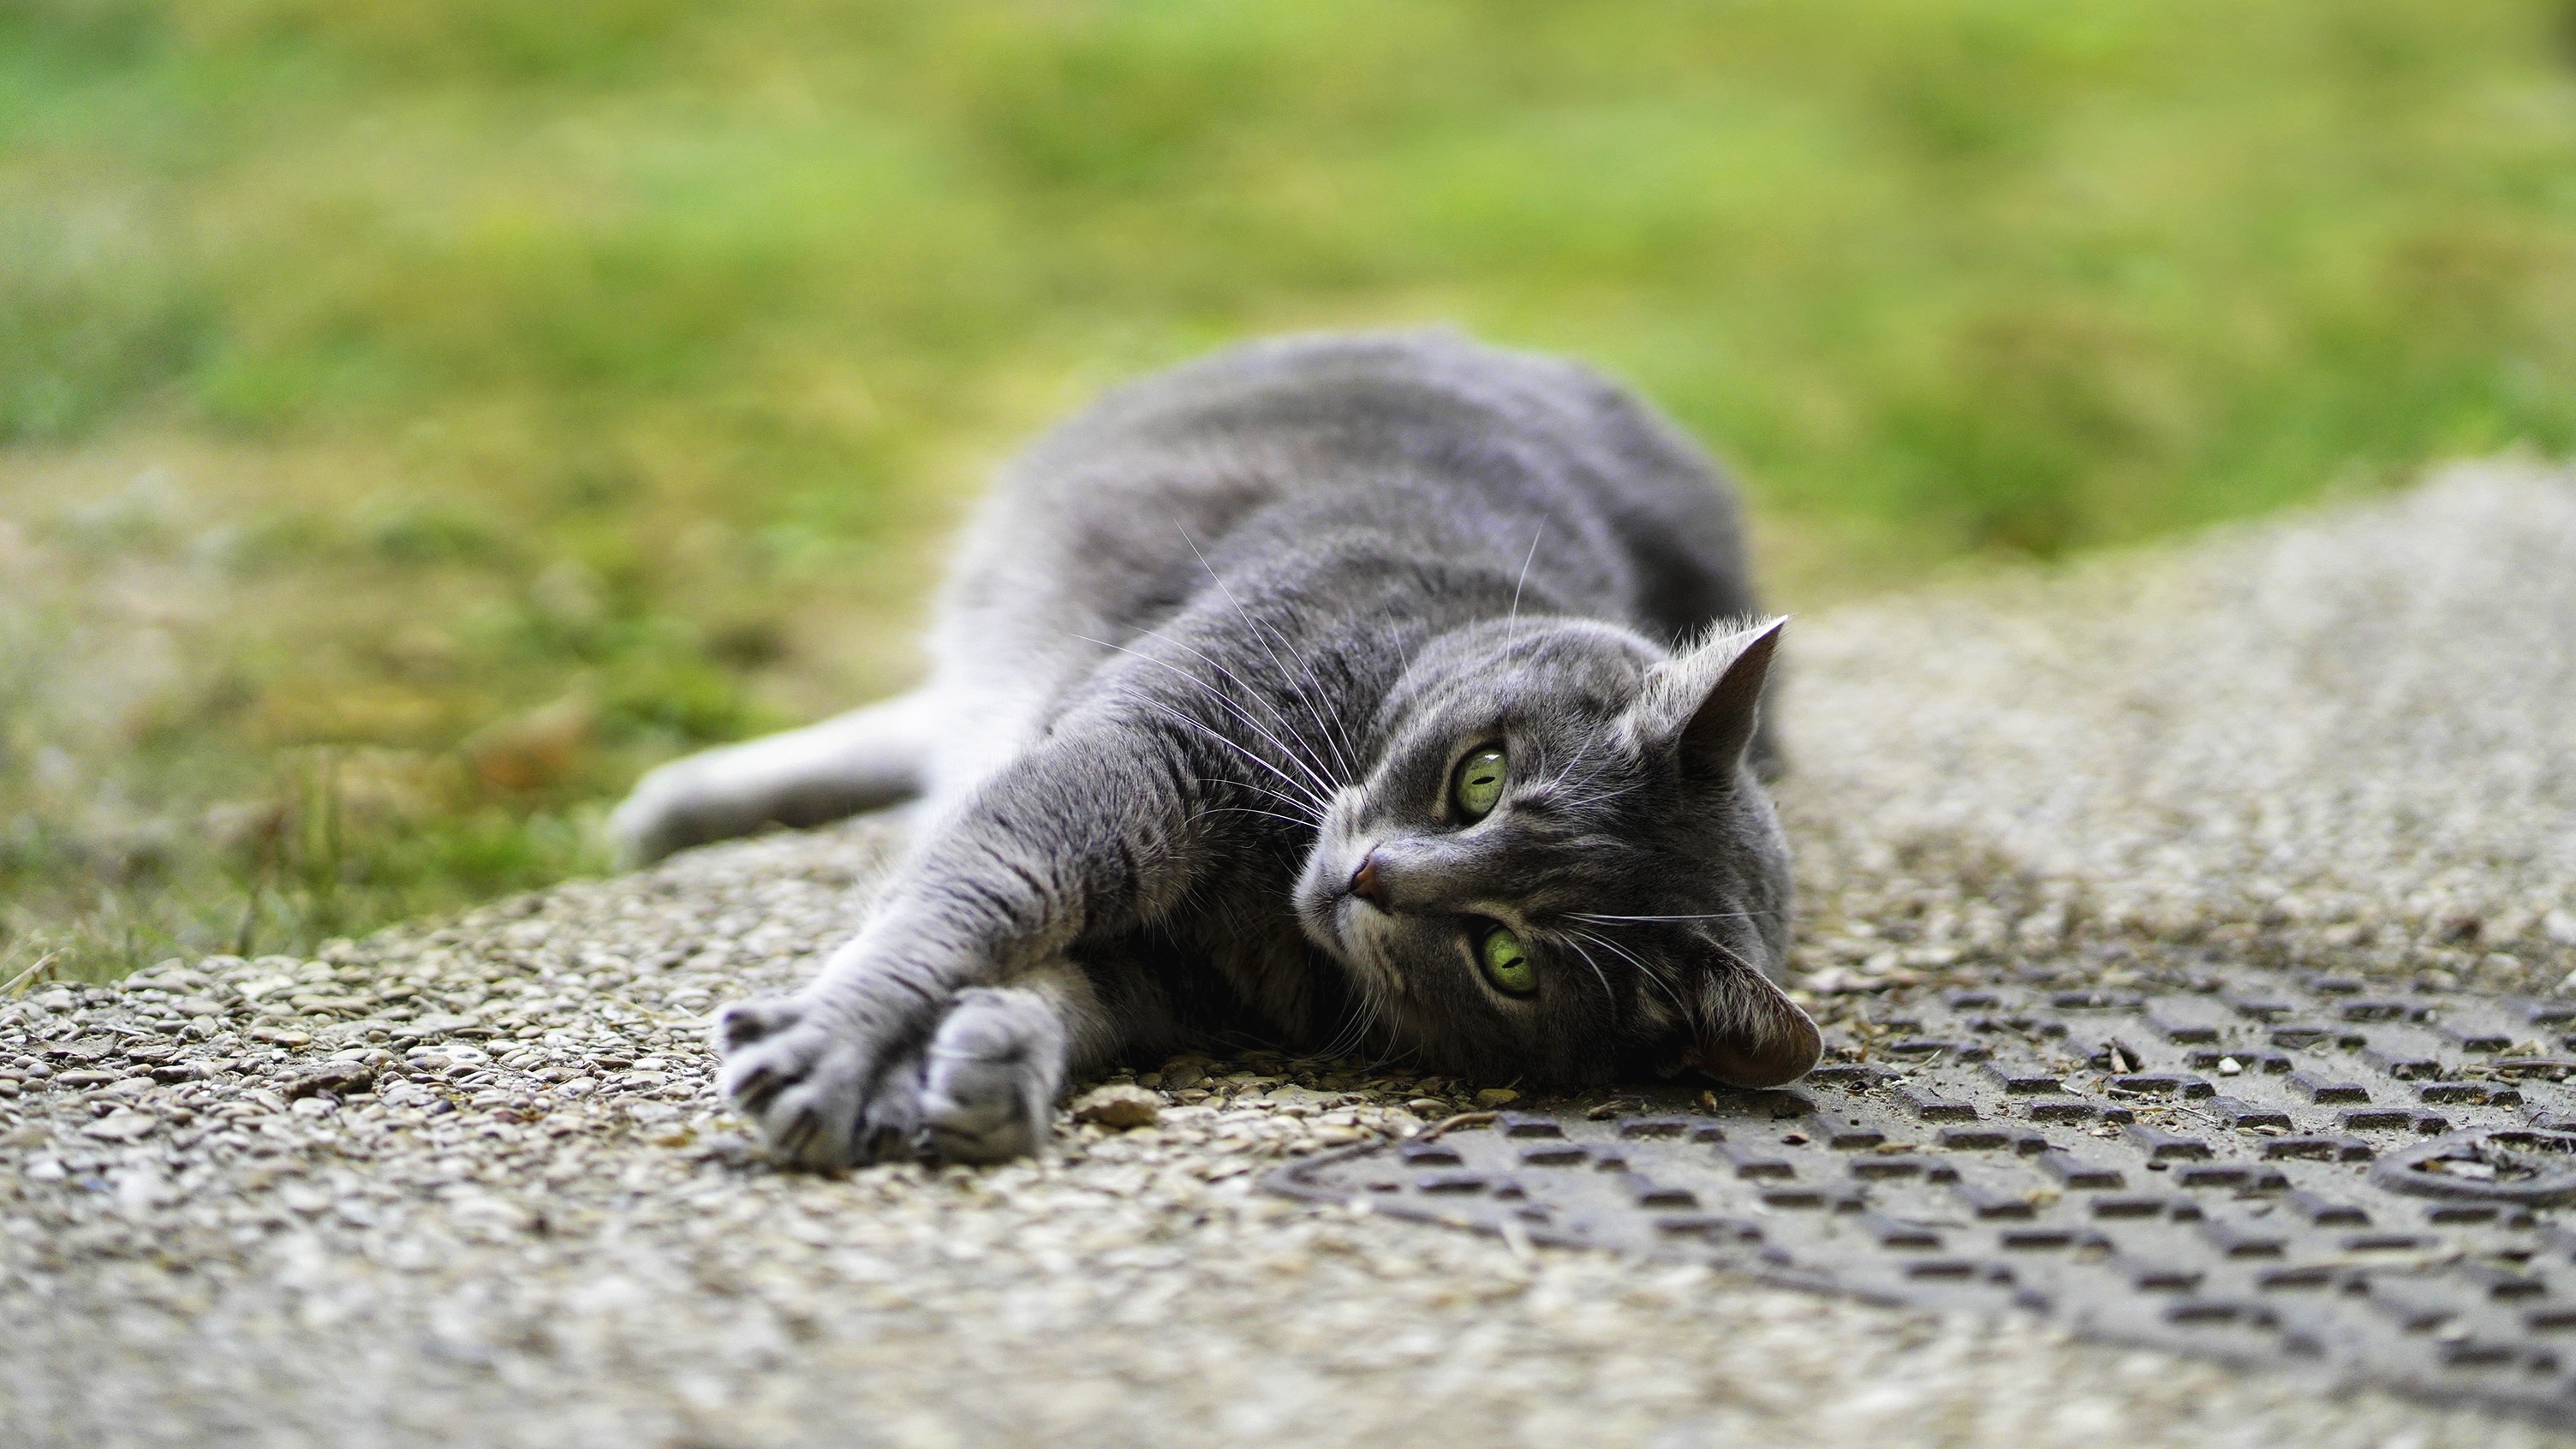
1506	964
1479	784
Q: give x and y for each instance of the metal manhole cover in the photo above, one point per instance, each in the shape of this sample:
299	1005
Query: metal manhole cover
2248	1165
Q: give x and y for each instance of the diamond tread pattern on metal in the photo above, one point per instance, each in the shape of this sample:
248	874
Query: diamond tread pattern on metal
2251	1166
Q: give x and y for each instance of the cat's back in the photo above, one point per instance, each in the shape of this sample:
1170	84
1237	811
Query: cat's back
1314	409
1110	519
1344	425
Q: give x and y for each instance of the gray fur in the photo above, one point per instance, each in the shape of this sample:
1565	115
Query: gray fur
1215	643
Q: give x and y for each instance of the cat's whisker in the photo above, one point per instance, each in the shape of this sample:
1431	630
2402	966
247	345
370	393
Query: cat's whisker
1307	815
1346	749
1378	1028
1584	784
1249	810
1348	1038
1218	695
1302	804
1376	1006
1358	1024
1731	954
1389	1056
1312	769
1608	993
1643	969
1302	797
1302	686
1306	794
1316	777
1530	558
1258	632
1204	810
1311	765
1307	690
1376	1009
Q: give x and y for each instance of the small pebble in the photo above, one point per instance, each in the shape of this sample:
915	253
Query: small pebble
1118	1106
122	1126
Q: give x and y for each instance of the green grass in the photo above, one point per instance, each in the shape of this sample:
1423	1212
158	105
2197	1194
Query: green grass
485	398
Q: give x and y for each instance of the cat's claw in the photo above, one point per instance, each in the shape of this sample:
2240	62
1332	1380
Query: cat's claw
812	1084
745	1022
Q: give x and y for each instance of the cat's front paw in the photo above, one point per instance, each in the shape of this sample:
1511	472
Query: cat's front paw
990	1078
830	1092
824	1091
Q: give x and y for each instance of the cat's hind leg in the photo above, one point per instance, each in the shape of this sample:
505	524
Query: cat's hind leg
1078	839
863	760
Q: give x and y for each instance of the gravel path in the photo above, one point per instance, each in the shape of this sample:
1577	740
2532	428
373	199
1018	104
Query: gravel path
465	1185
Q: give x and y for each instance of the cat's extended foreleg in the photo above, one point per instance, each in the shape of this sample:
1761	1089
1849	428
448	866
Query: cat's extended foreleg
954	1017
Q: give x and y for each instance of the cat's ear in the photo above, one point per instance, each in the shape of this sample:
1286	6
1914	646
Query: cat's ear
1711	699
1752	1034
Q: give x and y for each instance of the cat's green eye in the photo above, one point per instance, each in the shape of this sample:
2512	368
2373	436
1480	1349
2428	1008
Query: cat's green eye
1479	784
1506	964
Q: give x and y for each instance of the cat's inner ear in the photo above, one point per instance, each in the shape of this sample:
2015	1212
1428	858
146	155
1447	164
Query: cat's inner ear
1750	1033
1716	691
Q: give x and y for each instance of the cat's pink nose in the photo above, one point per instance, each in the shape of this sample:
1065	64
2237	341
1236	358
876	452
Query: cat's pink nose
1364	882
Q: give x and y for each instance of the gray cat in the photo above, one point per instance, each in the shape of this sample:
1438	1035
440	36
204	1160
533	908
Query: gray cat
1381	691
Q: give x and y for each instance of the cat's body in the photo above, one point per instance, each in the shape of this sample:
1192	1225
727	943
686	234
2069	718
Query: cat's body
1224	640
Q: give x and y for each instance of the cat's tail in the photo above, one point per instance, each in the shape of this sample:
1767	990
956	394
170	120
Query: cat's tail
863	760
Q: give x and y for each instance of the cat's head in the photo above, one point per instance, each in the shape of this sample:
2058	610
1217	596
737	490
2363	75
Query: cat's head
1561	866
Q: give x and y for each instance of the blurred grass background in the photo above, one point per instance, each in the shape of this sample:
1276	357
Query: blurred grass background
416	416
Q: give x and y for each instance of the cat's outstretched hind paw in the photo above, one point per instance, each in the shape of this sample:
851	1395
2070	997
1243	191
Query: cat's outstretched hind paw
822	1093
